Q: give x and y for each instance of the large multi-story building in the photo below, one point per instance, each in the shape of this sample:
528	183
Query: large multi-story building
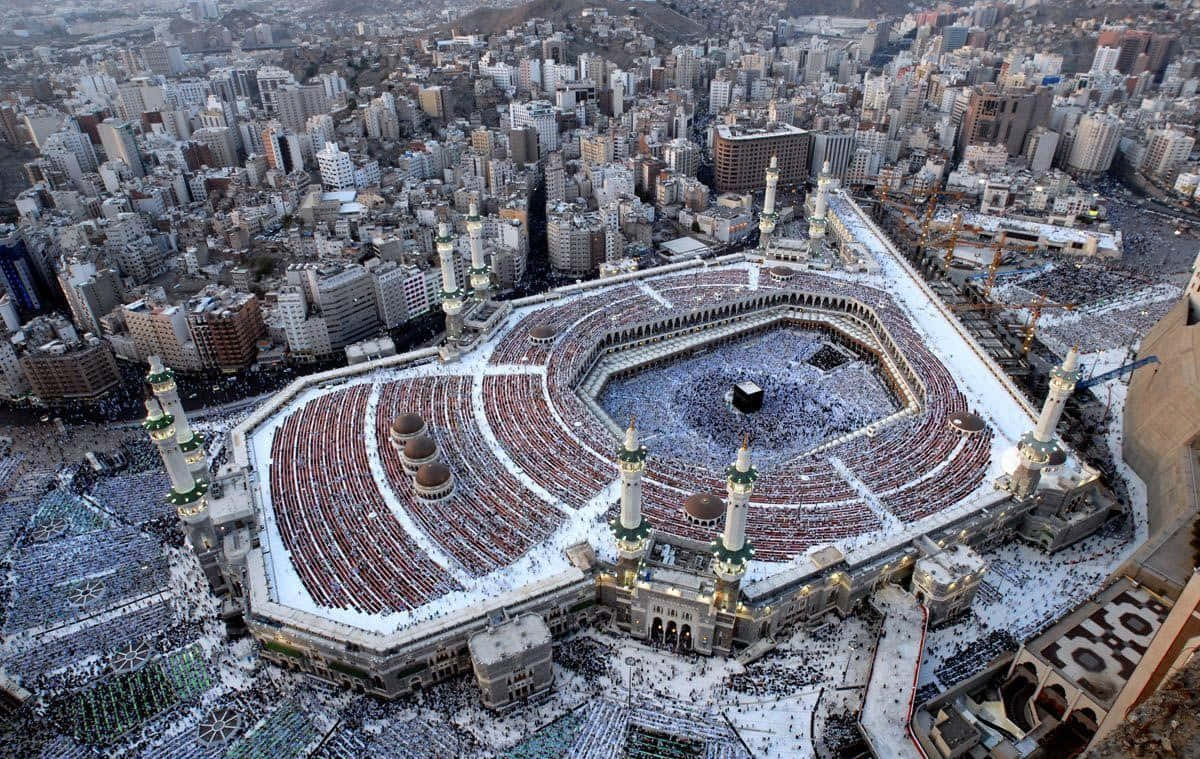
294	105
1004	116
120	145
834	147
435	102
596	149
336	167
1097	137
18	275
163	58
682	156
77	144
282	149
222	144
60	365
542	117
326	308
225	326
742	155
161	329
1166	150
91	293
576	241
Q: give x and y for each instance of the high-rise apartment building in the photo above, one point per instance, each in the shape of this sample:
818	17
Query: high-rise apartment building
576	240
742	155
1096	139
995	115
336	167
540	115
116	137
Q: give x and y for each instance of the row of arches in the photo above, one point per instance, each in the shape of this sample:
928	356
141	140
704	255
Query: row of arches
1028	705
671	635
860	314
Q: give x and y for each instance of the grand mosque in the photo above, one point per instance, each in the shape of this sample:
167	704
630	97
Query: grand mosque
458	508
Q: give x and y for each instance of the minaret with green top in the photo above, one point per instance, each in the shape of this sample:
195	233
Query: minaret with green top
453	296
162	381
481	273
186	494
630	529
732	551
1038	444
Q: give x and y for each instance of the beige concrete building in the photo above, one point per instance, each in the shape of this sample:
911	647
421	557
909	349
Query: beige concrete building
159	329
1162	422
62	370
512	660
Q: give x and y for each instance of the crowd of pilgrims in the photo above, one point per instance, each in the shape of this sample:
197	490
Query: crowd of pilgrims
812	393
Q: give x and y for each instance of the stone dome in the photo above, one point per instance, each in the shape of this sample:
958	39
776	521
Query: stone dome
432	475
408	424
967	422
420	447
782	272
542	333
703	507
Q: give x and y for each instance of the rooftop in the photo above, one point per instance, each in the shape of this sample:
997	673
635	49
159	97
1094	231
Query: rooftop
509	639
734	132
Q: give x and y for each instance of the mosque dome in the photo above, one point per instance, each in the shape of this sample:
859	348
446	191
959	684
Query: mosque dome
432	475
420	447
542	334
967	422
703	507
408	424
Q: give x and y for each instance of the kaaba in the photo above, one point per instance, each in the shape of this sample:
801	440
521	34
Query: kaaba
747	397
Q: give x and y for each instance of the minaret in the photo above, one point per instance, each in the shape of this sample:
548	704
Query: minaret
191	444
766	221
732	551
630	530
481	274
816	222
186	494
1037	445
452	294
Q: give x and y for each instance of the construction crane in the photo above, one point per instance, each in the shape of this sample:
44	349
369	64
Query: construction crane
923	220
997	260
1010	272
1035	307
952	242
1114	373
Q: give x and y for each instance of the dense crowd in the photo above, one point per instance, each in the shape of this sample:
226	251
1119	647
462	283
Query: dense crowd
804	405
